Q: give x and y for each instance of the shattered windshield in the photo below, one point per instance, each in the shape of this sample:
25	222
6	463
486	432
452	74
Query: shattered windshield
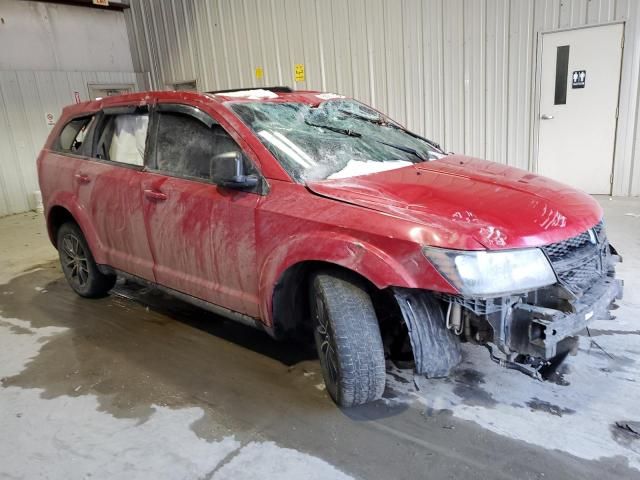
336	139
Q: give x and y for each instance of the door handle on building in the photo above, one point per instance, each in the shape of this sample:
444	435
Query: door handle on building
546	116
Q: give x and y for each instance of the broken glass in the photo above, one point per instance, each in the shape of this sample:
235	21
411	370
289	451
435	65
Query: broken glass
338	138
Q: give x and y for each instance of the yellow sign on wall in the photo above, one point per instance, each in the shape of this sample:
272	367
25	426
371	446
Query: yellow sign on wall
298	72
259	73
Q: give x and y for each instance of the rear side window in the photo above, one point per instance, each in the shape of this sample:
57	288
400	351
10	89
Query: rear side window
73	134
186	147
123	138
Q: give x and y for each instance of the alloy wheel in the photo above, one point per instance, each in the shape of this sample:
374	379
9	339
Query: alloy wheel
75	260
328	357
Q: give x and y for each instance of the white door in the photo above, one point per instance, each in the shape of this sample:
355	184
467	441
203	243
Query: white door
580	78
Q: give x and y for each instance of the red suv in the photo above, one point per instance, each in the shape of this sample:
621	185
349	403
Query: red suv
301	211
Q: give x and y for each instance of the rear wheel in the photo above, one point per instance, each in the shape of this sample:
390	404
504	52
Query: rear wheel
347	339
78	265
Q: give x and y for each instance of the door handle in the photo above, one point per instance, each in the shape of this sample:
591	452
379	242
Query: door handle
82	178
546	116
155	195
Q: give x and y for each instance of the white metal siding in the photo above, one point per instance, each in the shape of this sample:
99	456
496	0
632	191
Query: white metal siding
25	97
459	71
46	36
48	52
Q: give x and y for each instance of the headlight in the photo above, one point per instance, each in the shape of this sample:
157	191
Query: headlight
491	273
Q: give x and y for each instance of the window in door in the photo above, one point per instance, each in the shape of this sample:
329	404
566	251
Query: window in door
187	147
562	69
123	138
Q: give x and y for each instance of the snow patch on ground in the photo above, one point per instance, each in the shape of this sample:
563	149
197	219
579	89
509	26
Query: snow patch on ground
19	344
10	271
67	437
258	461
358	167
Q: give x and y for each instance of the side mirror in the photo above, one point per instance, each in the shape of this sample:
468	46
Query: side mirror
228	169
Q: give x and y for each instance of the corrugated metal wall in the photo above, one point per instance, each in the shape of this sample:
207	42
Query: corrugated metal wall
49	51
25	98
459	71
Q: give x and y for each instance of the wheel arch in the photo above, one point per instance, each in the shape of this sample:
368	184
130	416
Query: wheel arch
64	210
289	265
290	302
58	215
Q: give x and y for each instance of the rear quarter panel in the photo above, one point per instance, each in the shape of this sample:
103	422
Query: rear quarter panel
58	187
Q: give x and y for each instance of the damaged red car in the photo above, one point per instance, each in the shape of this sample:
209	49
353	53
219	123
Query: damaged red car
308	213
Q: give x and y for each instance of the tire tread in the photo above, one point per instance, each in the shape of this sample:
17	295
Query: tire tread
358	343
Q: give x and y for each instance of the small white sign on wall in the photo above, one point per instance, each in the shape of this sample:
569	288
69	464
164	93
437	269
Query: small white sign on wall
50	119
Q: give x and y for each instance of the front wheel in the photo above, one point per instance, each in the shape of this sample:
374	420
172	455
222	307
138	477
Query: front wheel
348	339
78	265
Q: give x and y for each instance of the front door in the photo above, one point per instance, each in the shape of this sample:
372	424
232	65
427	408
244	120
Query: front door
202	235
579	85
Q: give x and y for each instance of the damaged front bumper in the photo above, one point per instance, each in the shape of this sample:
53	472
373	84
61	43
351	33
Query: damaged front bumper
544	332
532	328
544	323
535	328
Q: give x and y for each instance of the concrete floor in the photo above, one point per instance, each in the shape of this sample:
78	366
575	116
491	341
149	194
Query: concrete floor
142	386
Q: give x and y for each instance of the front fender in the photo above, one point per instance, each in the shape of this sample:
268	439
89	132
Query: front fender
329	247
69	202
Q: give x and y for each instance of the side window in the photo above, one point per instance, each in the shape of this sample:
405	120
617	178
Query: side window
123	138
73	134
186	147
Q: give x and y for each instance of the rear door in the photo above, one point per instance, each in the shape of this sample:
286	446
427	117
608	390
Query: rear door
109	188
202	235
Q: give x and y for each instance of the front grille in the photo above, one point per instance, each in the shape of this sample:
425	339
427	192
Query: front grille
559	251
581	260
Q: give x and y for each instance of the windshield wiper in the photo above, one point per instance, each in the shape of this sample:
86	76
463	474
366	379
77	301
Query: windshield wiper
343	131
351	133
404	149
376	121
395	126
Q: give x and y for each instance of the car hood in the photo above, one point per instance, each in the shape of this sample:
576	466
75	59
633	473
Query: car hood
463	202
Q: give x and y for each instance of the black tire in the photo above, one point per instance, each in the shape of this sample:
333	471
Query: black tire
348	339
78	265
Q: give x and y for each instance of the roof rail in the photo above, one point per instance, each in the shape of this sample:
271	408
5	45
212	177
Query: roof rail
271	89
